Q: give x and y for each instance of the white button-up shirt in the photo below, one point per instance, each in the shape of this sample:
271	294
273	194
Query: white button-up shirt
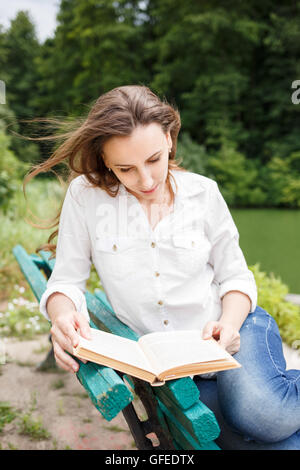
168	278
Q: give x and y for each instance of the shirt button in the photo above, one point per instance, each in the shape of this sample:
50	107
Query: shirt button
153	245
115	247
160	302
166	322
193	243
157	274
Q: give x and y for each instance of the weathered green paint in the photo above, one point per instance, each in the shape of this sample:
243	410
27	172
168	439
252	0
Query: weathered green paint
105	388
198	420
33	275
100	294
182	436
181	392
45	255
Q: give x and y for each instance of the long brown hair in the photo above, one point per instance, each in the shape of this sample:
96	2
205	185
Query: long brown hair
115	113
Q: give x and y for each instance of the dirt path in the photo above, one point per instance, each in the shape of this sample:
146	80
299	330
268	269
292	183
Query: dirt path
54	401
58	403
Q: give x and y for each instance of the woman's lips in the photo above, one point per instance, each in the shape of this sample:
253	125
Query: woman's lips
151	190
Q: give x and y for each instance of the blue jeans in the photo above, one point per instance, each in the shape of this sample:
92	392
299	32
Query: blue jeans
258	405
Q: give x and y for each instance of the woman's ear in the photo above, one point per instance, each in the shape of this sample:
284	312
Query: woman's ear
169	140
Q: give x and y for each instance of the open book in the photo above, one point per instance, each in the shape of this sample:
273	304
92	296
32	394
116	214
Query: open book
156	357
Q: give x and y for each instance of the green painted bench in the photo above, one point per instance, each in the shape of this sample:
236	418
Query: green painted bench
175	414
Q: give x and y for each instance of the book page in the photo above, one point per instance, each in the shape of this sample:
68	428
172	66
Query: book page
171	349
117	348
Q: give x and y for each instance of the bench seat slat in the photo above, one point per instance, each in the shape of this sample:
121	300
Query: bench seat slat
32	274
182	392
198	420
182	436
105	388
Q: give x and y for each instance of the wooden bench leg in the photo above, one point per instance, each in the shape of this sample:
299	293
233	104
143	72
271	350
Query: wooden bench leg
155	422
49	363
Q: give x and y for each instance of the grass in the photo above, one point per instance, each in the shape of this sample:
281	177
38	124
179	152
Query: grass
60	407
22	318
43	197
57	384
7	414
27	425
33	428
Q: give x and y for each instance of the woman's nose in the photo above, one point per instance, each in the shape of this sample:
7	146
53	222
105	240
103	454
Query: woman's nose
145	180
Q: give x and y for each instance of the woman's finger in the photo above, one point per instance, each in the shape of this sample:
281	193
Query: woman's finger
226	337
63	340
210	329
83	325
68	329
63	359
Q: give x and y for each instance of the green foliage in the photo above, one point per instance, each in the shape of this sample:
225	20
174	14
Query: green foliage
7	414
22	319
281	181
11	172
28	426
228	67
21	49
271	297
43	201
193	156
236	176
97	46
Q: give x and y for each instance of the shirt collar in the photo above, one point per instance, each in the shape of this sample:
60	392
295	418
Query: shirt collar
188	184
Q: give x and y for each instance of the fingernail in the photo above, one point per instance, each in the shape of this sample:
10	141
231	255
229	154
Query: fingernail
75	368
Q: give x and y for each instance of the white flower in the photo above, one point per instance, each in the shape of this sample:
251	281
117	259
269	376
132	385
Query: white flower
22	290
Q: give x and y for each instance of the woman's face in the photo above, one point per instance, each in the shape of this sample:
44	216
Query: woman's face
140	161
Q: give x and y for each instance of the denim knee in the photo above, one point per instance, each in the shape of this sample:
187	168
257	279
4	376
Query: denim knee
254	414
261	400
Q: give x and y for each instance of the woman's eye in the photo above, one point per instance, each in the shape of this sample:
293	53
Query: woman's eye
125	170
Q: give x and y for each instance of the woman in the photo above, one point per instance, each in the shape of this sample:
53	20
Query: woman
166	249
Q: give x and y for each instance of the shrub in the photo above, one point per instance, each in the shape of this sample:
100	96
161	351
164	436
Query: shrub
271	297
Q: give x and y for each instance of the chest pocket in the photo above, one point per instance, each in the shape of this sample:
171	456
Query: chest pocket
191	251
116	256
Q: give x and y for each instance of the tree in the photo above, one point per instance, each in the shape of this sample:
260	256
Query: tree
97	46
21	48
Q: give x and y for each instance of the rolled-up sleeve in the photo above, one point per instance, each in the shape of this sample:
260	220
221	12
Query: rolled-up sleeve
226	257
73	253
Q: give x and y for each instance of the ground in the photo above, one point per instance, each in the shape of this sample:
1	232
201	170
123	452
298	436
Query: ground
51	409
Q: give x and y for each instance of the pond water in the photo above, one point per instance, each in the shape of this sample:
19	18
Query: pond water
271	237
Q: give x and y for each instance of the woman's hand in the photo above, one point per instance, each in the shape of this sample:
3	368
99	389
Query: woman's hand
227	336
65	330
